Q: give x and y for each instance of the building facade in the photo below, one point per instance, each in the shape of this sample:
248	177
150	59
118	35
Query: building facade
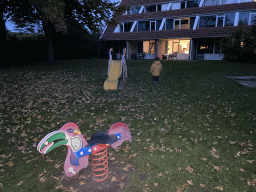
179	29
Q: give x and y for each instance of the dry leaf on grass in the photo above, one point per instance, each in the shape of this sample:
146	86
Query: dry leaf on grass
113	179
155	184
250	161
10	164
219	188
159	174
202	185
20	183
81	183
190	182
190	169
121	185
42	179
251	182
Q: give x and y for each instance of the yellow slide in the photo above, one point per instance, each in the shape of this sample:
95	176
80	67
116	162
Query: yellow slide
113	76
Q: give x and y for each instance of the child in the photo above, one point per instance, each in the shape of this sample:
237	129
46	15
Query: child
156	69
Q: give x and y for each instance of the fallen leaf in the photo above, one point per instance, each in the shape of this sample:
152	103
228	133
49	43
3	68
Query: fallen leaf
160	174
57	165
155	184
10	164
42	179
23	134
81	183
250	161
219	188
204	159
202	185
190	182
113	179
121	185
241	169
216	167
20	183
190	169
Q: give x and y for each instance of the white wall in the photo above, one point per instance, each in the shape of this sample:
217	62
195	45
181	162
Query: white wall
213	56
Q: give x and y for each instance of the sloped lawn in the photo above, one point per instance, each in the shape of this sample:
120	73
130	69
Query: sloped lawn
194	132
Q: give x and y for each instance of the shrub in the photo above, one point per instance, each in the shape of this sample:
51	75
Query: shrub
241	45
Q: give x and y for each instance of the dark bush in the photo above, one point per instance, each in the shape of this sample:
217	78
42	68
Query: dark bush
241	45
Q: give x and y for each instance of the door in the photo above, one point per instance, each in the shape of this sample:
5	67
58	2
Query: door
175	48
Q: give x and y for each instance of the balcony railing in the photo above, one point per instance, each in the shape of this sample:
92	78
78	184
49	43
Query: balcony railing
180	5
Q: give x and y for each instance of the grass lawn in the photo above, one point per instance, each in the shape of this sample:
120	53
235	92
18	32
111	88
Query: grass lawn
194	132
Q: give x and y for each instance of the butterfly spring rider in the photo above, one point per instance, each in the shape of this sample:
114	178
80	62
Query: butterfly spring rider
79	148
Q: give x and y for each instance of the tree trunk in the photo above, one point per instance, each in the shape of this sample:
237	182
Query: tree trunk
49	31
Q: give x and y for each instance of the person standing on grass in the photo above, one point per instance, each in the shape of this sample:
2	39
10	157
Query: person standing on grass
156	69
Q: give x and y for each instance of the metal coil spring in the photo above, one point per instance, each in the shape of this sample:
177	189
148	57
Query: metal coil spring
100	165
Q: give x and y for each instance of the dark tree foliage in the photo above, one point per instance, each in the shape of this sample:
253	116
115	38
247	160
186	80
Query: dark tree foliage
241	45
60	18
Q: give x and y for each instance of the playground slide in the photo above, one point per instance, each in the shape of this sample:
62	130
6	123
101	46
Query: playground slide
113	76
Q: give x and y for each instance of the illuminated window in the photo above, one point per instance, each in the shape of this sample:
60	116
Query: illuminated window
203	47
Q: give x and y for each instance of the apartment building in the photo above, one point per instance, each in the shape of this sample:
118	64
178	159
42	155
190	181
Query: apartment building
180	29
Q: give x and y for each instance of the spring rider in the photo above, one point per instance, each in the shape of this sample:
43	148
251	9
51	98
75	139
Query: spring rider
79	148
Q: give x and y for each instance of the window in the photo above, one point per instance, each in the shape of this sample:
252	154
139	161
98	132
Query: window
246	1
211	2
185	23
177	23
192	21
205	46
149	47
217	48
182	23
220	20
183	5
207	21
193	3
158	23
253	19
150	8
164	7
181	46
169	24
176	6
140	46
159	8
127	26
229	19
144	26
136	9
152	25
244	17
228	1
